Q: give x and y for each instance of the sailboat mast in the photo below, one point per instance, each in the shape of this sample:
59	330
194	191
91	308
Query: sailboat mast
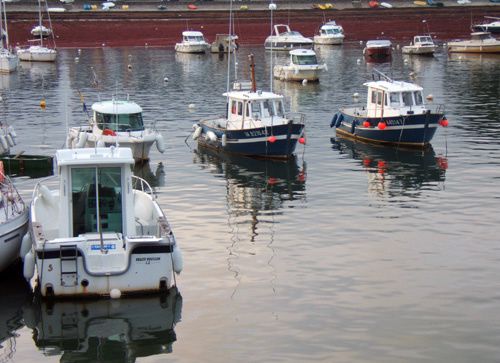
40	22
1	23
230	44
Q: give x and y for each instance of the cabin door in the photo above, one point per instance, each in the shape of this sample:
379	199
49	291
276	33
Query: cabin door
96	199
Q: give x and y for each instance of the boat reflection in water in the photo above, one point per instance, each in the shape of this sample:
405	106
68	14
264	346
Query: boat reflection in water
256	188
105	330
144	171
395	171
15	293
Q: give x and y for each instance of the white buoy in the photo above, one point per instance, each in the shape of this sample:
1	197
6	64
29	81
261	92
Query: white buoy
429	97
178	263
355	95
103	44
304	82
197	132
129	66
115	294
191	105
360	42
165	79
25	245
160	143
272	6
146	44
79	51
358	61
82	139
77	59
405	61
29	266
224	140
211	136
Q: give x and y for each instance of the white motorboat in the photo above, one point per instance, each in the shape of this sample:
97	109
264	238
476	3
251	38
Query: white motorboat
303	65
117	122
285	39
224	43
8	60
378	49
13	221
192	42
480	42
491	27
101	232
330	33
421	45
39	52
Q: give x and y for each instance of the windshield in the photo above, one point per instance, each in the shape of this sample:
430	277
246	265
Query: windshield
304	59
122	122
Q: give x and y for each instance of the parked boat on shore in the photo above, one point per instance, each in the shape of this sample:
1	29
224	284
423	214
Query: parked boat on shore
101	233
421	45
255	124
330	33
285	39
395	114
192	42
303	65
117	122
13	221
480	42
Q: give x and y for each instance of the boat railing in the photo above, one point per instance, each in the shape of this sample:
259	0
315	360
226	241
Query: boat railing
296	117
142	185
11	200
377	75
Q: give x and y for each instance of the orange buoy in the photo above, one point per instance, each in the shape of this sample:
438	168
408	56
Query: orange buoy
43	104
382	125
366	124
302	140
108	132
271	180
271	139
444	122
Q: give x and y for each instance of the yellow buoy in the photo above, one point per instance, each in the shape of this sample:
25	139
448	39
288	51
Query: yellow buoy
43	104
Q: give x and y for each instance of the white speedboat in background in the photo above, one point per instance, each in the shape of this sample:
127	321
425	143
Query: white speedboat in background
192	42
422	45
100	232
117	122
224	43
330	33
286	39
303	65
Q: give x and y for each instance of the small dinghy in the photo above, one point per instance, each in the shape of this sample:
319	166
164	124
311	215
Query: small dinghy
101	232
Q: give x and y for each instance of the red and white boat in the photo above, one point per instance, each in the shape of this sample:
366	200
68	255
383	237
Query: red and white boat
378	49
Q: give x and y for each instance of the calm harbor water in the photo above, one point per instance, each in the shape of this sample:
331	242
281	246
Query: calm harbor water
349	253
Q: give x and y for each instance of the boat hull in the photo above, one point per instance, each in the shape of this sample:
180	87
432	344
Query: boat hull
191	48
11	234
409	130
378	53
37	56
458	47
254	142
290	73
8	63
424	50
323	40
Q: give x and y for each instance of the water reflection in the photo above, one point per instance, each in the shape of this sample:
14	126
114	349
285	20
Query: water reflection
15	293
105	330
254	186
144	171
392	171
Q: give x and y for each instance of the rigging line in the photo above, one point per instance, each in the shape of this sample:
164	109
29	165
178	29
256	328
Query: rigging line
50	25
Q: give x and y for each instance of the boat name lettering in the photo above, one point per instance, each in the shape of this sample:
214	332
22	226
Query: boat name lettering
148	260
108	246
394	122
254	133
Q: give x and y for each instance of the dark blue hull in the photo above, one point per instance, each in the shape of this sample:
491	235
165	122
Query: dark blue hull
410	130
255	142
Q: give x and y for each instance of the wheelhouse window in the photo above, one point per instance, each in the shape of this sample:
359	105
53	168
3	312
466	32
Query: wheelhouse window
394	99
240	108
407	99
234	107
304	60
96	208
377	97
121	122
280	110
418	98
255	110
267	108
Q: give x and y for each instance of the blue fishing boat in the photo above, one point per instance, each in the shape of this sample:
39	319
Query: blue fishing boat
255	124
395	114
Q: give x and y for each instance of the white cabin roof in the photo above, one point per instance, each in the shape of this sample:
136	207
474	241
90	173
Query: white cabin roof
191	33
378	43
94	156
116	107
252	96
302	52
394	86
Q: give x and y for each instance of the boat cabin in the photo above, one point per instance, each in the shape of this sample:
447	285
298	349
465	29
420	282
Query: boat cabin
120	116
96	194
331	28
192	37
423	40
246	110
386	99
303	57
